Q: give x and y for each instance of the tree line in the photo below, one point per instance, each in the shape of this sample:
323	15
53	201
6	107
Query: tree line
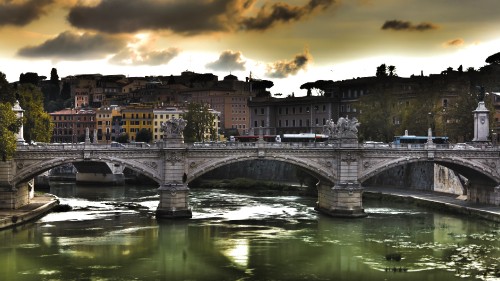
36	122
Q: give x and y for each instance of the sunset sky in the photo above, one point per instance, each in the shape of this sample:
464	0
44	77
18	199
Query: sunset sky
287	42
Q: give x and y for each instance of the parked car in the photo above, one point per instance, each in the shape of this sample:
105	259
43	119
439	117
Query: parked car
117	145
462	145
375	144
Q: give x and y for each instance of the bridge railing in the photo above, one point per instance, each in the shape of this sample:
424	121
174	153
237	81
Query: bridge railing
243	145
248	145
81	146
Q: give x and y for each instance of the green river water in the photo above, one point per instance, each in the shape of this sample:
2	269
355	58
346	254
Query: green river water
111	234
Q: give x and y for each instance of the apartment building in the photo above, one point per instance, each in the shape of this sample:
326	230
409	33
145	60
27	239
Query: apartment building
230	97
70	125
104	123
270	116
135	118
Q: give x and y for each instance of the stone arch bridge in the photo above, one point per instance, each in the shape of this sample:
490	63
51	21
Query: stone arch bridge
341	168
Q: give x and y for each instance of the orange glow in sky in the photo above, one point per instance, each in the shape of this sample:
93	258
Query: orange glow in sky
287	42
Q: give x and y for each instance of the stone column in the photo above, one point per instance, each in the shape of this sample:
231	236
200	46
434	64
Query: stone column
345	198
87	136
19	113
174	192
481	123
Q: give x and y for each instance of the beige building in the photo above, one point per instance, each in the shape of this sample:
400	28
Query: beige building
230	97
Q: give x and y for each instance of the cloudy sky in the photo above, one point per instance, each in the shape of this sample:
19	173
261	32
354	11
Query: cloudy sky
288	42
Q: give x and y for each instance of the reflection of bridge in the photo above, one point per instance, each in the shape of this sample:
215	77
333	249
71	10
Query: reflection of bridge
341	168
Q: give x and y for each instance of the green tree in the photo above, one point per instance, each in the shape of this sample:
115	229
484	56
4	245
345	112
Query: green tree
493	59
377	117
37	125
261	86
459	127
9	126
54	78
122	138
30	78
418	114
307	86
7	94
199	122
392	70
144	135
381	70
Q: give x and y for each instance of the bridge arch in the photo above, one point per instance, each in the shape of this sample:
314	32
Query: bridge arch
315	169
471	169
26	172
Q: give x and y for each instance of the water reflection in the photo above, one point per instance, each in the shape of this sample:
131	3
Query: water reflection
112	235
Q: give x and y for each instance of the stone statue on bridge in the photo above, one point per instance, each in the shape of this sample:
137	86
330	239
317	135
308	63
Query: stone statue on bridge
345	128
174	126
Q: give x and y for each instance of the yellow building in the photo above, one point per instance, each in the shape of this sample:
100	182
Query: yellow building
106	132
135	118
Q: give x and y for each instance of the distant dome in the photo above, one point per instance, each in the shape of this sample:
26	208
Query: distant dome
231	77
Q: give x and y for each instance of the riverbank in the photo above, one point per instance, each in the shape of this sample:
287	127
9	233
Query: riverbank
435	200
40	205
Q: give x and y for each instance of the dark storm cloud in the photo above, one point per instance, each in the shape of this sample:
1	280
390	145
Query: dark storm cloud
117	16
269	15
189	16
22	13
73	46
129	56
283	69
228	61
400	25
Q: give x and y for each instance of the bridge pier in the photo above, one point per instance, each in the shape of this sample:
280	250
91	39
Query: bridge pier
345	198
13	196
174	202
341	200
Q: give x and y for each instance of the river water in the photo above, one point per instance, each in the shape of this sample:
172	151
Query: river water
111	234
